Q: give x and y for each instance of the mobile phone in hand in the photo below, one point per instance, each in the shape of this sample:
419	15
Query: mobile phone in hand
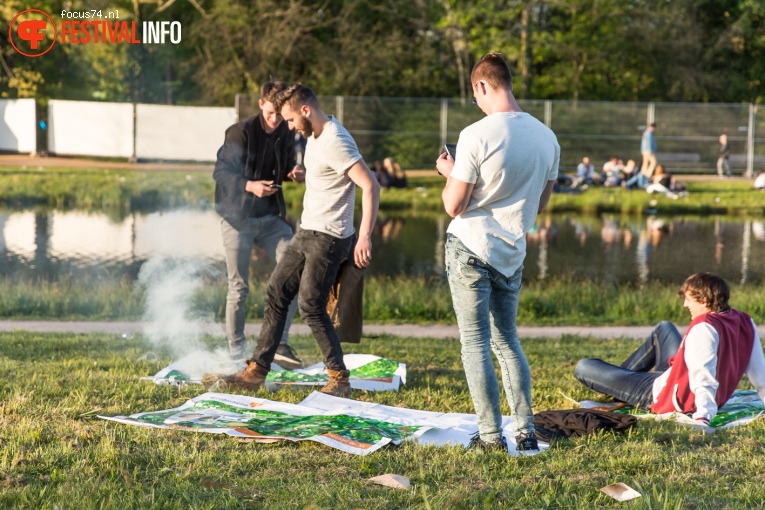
451	149
278	186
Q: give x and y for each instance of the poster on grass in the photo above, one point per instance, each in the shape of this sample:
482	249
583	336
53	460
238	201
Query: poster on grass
348	425
368	372
266	421
743	407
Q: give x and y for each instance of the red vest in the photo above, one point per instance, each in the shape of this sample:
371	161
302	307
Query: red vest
734	351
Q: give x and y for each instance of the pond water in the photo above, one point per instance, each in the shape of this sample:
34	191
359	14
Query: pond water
604	248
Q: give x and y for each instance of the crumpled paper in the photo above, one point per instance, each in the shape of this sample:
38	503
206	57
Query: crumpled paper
393	481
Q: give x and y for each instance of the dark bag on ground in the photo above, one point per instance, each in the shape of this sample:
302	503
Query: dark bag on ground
550	425
345	305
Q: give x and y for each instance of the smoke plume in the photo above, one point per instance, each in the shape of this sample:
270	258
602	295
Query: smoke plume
171	321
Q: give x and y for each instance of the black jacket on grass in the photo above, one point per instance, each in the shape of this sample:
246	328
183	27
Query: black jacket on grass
241	159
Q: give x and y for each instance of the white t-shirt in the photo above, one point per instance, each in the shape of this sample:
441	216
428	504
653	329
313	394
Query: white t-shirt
329	192
509	157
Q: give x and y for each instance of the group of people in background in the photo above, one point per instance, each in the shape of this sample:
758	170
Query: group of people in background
650	176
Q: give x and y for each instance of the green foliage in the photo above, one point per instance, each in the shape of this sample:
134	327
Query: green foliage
387	300
574	49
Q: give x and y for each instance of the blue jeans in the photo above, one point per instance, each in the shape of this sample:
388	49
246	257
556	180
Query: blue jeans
638	181
486	305
632	382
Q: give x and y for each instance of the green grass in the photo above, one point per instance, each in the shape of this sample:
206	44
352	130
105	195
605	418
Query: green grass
119	192
416	300
54	452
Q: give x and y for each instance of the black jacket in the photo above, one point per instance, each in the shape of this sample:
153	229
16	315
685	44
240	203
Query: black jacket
237	163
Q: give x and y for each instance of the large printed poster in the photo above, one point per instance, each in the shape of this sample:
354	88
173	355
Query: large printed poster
348	425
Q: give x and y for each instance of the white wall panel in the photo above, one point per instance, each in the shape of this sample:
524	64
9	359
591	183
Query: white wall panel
87	128
18	125
183	133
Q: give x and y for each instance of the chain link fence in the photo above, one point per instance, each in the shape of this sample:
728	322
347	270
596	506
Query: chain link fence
413	130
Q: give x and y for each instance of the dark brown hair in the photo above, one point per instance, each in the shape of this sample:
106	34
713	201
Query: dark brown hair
708	289
295	96
493	69
270	88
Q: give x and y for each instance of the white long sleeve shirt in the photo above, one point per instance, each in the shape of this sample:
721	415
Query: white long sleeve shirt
702	369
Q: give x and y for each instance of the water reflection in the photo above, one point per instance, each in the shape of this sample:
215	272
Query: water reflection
639	249
607	248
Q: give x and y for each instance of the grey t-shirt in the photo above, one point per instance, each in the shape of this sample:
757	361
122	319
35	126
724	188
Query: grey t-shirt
329	192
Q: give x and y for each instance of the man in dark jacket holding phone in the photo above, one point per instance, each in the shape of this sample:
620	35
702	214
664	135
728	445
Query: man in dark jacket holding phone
257	155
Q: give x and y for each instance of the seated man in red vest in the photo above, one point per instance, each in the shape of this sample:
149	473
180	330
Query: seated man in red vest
695	374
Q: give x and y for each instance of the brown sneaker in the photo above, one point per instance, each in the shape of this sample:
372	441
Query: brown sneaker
251	378
338	384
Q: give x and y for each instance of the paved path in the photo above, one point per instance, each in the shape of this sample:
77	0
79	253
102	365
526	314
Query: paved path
402	330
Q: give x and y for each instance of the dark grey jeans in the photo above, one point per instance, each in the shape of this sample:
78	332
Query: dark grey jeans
632	381
271	233
307	269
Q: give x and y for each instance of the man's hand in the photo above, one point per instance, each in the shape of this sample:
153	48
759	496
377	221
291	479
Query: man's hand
444	164
297	174
362	255
260	188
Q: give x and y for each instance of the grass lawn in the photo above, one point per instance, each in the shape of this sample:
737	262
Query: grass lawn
54	453
120	192
387	300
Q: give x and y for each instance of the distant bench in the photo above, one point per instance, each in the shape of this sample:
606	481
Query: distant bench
678	157
740	159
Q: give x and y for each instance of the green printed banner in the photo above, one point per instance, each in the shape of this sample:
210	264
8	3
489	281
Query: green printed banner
368	372
348	425
743	407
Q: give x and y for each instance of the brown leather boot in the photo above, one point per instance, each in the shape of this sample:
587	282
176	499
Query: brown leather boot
251	378
338	384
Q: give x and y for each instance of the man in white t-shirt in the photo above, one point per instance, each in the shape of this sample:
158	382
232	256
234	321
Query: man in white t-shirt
505	168
309	264
694	374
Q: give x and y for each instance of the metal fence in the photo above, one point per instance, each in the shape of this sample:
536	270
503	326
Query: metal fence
413	130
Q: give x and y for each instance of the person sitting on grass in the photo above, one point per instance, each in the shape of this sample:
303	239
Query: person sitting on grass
396	173
695	374
759	181
661	183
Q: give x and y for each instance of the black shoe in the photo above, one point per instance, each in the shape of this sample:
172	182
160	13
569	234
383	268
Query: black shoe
525	443
286	358
479	444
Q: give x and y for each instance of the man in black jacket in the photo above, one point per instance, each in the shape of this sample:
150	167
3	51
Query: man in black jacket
257	155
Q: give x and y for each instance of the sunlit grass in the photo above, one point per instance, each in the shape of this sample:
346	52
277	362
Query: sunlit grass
54	452
418	300
119	192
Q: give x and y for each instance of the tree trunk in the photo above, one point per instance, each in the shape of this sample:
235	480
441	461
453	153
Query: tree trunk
527	53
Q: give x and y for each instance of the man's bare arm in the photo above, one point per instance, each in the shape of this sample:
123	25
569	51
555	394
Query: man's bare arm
360	174
545	198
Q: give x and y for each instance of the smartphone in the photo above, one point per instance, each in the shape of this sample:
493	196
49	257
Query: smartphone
275	185
451	149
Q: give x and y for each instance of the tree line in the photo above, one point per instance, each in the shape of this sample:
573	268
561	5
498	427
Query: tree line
605	50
